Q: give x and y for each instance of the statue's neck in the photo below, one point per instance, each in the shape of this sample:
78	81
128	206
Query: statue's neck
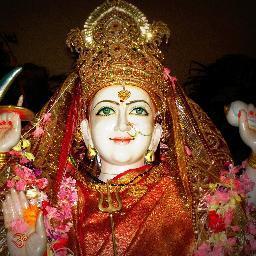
110	171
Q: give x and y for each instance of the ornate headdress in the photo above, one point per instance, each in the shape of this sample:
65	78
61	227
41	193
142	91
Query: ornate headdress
117	47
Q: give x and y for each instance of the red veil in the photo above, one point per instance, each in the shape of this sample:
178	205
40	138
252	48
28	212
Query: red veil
192	147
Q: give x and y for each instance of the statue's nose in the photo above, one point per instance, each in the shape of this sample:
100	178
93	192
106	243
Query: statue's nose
122	121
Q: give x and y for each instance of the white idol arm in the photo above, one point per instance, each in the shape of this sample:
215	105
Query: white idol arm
33	241
248	136
10	131
27	243
244	116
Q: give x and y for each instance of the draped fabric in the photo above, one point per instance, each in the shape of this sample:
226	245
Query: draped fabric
154	219
163	211
192	150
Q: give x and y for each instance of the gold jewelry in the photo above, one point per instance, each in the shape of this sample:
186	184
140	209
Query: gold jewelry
123	95
111	209
252	160
91	152
118	46
4	156
109	173
149	156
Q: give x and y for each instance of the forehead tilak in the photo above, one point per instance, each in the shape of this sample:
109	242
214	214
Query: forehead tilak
124	94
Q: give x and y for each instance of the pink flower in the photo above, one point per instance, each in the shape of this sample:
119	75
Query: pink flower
10	183
38	132
42	183
18	226
66	211
228	217
167	72
249	208
210	200
222	197
51	212
247	184
15	153
47	117
21	185
28	173
234	169
253	244
67	191
217	251
19	172
236	228
203	250
188	151
24	160
223	173
232	241
252	228
73	197
24	173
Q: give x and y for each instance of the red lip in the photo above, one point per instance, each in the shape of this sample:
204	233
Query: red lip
124	140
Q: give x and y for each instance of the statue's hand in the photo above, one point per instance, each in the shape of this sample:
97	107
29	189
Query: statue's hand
30	242
248	135
10	131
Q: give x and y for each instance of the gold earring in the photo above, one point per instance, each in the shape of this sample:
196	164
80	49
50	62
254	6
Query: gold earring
91	152
149	156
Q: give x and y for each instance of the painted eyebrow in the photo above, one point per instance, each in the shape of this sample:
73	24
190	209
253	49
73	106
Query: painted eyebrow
117	103
135	101
109	101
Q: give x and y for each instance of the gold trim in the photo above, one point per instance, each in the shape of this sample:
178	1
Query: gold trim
252	160
4	156
24	113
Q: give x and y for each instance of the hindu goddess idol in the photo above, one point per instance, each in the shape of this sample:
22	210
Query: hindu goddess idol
120	161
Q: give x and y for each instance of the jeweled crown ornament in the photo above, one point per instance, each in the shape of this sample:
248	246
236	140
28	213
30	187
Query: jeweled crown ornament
118	46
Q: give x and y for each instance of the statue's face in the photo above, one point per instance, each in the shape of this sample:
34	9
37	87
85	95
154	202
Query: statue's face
121	129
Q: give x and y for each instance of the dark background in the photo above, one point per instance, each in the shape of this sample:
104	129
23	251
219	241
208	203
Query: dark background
201	30
212	49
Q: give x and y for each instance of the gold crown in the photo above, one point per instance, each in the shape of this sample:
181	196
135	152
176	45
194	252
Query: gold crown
119	47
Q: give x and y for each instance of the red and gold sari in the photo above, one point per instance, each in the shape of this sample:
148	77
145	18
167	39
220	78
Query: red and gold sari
154	219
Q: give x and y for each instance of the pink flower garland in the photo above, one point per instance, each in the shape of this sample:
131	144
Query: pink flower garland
58	219
224	236
25	177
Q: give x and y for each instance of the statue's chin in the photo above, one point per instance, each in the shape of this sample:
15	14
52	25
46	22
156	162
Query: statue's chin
122	158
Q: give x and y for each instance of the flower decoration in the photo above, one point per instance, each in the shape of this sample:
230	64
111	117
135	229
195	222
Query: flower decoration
22	150
216	222
47	117
226	234
39	131
58	219
30	215
25	178
167	77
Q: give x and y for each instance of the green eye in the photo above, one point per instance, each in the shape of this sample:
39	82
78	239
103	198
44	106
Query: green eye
139	111
105	111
